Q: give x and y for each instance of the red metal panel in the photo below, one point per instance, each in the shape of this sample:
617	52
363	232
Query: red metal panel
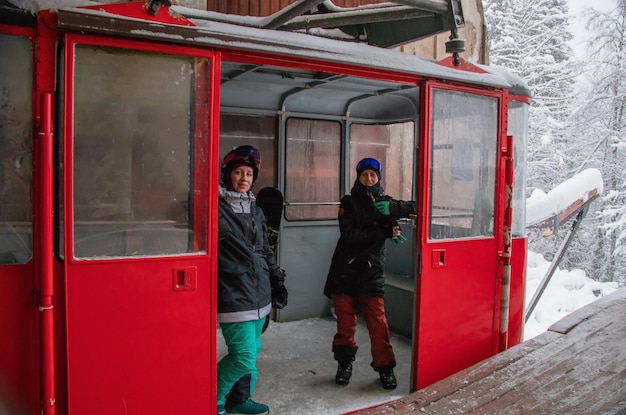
17	30
135	343
458	288
137	9
18	377
456	307
19	385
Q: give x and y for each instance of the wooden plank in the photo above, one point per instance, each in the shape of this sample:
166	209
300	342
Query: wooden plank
544	375
446	387
525	373
578	366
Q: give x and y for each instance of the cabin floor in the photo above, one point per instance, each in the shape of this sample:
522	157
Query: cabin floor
576	367
297	370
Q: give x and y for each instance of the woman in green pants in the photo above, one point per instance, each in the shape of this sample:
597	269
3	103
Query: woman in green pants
249	279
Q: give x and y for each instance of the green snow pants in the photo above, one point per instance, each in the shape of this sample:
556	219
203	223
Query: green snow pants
243	341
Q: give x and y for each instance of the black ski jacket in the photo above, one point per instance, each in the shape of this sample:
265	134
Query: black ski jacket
359	258
245	265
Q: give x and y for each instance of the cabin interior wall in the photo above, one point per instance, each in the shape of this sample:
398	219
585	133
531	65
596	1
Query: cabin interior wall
309	147
258	130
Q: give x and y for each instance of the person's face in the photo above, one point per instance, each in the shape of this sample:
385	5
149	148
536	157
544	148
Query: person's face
241	178
368	178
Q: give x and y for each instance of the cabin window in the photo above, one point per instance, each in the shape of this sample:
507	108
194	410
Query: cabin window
15	150
463	165
518	128
391	144
312	169
258	131
139	175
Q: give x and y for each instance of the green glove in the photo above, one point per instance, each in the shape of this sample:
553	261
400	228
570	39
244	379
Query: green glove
399	240
383	207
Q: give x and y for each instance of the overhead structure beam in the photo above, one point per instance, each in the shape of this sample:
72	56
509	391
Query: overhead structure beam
435	6
294	9
388	24
352	17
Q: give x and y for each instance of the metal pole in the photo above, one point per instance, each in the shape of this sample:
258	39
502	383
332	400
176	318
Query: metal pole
554	264
505	296
44	255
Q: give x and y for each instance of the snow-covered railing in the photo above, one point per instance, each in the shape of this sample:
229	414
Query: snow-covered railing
548	211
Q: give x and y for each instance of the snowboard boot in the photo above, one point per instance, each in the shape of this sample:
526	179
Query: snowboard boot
248	407
344	373
388	379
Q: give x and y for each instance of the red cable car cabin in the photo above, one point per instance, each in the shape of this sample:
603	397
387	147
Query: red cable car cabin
113	123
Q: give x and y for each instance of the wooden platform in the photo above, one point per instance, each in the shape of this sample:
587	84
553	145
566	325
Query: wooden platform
577	367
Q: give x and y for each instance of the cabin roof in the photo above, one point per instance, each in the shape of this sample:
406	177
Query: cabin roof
239	34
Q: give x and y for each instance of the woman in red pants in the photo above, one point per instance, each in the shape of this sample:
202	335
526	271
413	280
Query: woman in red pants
367	217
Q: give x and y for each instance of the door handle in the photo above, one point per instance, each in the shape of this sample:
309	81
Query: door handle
185	279
439	258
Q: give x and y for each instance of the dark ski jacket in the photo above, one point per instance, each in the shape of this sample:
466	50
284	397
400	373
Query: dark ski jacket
245	265
359	258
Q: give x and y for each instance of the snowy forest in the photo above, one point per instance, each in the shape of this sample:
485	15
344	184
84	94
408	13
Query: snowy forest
577	116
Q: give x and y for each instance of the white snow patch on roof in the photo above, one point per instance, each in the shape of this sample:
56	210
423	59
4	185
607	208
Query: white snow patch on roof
541	206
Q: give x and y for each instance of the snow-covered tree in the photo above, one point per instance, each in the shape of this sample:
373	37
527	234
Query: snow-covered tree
530	37
599	133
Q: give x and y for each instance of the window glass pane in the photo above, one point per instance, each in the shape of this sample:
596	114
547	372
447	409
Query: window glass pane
258	131
392	145
15	150
136	191
463	165
518	128
313	160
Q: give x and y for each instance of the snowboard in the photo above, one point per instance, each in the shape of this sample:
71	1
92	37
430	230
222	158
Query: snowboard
271	201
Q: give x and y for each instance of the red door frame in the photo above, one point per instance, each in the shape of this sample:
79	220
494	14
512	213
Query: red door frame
19	360
447	340
187	340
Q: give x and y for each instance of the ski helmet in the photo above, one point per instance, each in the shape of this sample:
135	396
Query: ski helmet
245	155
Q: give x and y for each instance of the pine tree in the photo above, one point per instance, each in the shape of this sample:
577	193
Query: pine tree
530	38
599	129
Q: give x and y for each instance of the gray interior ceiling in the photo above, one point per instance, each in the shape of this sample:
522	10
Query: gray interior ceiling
273	89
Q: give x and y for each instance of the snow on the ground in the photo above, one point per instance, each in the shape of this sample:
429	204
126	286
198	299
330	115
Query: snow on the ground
567	291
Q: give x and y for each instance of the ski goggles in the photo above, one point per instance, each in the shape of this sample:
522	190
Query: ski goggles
369	164
248	154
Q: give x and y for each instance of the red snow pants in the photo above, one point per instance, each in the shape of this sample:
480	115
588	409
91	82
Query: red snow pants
373	311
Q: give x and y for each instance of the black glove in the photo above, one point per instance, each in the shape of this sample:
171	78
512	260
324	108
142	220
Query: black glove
386	228
279	291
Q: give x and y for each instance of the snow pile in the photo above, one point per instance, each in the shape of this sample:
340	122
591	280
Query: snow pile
567	292
541	206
